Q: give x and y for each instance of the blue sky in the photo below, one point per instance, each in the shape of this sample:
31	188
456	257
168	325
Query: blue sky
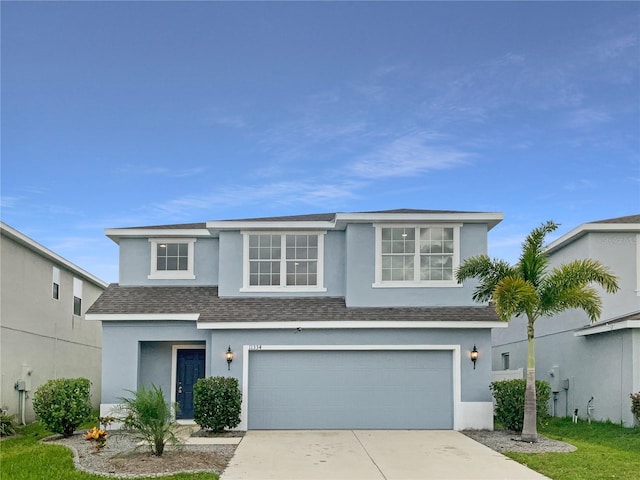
119	114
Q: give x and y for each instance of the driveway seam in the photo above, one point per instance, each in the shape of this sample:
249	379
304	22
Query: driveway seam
370	457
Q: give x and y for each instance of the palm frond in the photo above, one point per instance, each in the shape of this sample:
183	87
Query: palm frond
585	298
533	259
489	272
514	296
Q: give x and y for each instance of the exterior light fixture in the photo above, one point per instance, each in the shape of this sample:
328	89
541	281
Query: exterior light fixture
474	356
229	357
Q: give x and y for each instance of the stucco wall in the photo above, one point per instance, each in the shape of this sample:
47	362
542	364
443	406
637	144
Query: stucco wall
360	272
135	263
606	365
40	333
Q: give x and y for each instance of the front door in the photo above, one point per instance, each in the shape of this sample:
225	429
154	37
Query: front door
189	368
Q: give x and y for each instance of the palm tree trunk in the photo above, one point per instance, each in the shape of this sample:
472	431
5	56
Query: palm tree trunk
529	427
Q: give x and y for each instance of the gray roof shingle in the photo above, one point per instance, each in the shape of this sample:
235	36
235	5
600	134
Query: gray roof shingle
205	301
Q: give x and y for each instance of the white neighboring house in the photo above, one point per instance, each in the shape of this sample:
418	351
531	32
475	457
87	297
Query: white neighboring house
590	367
43	334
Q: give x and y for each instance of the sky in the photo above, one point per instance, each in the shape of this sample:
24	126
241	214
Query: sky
119	114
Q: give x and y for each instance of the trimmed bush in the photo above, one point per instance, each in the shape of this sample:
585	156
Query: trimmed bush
635	405
509	395
217	403
149	418
63	404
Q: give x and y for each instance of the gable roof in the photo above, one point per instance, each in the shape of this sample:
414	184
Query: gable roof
211	311
50	255
628	223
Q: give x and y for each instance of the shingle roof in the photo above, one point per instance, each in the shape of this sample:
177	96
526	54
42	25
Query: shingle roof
205	301
626	219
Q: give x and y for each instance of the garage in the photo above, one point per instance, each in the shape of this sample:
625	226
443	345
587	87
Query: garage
350	389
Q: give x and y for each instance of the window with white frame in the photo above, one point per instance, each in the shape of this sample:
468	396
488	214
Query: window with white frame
291	261
56	284
77	297
417	255
172	258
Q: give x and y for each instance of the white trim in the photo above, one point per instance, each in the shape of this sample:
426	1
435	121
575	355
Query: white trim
172	274
46	253
590	227
174	365
283	287
607	327
416	283
339	324
175	233
455	349
638	264
142	316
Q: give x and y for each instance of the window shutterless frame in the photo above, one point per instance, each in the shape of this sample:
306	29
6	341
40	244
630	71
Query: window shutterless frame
283	261
410	255
169	256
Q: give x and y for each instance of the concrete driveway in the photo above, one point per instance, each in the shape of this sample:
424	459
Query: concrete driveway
368	455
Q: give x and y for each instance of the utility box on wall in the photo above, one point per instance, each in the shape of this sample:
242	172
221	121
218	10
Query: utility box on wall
554	379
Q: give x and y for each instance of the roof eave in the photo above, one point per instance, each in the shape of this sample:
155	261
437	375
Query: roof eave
116	234
585	228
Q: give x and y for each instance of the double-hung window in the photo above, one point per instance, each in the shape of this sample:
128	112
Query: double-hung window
77	297
172	258
56	284
283	261
420	256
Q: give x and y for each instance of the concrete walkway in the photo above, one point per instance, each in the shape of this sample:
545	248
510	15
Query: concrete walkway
369	455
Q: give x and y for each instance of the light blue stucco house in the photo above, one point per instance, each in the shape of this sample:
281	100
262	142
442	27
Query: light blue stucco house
341	320
590	367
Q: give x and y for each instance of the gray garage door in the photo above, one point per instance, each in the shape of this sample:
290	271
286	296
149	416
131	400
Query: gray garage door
385	389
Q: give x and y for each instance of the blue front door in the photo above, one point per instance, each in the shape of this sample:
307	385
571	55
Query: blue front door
190	367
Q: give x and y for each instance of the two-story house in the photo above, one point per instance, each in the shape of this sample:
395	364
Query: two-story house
591	367
340	320
43	335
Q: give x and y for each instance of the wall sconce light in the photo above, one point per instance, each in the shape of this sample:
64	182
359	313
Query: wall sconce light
229	357
474	356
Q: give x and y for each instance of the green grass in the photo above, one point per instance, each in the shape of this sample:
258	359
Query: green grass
23	457
605	450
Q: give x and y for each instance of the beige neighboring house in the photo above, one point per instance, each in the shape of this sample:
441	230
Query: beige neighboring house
43	333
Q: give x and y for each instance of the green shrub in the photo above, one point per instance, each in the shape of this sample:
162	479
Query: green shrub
635	405
509	395
7	424
63	404
217	402
149	418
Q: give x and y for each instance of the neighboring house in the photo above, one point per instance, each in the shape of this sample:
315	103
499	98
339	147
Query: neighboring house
341	320
591	367
43	298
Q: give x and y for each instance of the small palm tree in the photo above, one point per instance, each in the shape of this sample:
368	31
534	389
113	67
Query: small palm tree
530	288
150	418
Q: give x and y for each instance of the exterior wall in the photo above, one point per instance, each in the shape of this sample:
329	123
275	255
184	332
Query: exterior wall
139	353
231	267
40	334
604	366
360	273
135	263
476	406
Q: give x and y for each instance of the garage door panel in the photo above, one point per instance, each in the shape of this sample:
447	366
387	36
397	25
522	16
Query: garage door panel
350	389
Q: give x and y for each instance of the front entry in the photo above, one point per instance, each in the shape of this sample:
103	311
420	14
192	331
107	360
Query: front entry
189	368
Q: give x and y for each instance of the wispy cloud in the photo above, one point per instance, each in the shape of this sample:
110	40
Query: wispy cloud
579	184
587	118
131	169
407	156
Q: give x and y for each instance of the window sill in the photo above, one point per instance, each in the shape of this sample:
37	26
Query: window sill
283	289
433	284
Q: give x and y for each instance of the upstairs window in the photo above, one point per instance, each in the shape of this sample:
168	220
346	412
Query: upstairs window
417	255
56	284
291	261
172	258
77	297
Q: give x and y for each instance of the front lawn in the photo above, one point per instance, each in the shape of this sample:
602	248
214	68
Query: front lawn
605	450
23	457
